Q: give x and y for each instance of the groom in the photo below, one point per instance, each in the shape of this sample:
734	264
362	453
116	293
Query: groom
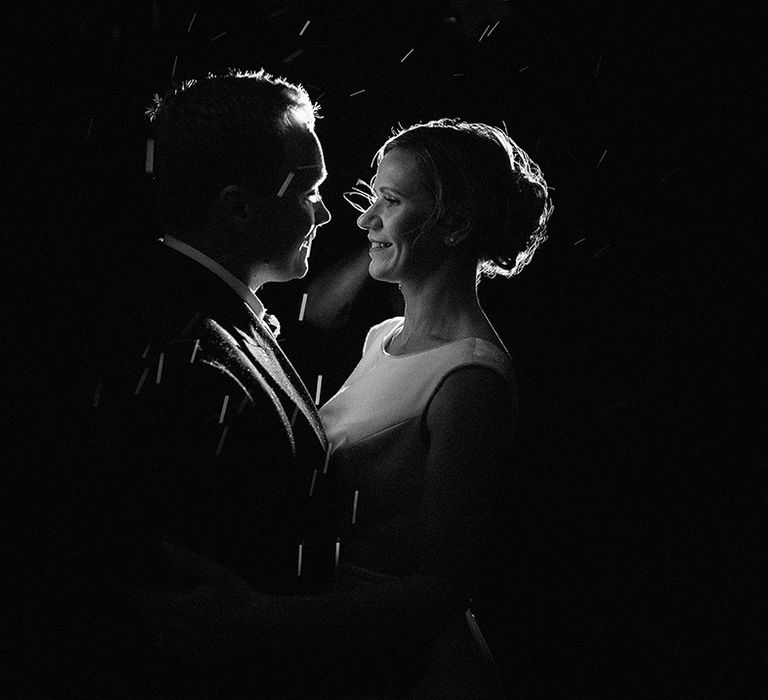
203	433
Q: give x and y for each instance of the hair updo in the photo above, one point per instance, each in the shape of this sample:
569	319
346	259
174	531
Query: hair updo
475	171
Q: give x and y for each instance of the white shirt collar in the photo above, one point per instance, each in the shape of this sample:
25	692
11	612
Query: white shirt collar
238	286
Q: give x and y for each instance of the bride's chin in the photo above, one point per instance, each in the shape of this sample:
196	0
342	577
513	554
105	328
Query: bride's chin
377	275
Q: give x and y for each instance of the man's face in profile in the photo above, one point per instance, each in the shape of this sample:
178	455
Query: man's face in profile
298	208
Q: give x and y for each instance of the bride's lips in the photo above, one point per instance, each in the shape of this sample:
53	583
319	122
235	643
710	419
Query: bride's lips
378	245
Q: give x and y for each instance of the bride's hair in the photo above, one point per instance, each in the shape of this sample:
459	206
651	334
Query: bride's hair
478	174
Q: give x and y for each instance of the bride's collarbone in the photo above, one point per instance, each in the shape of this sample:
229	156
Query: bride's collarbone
420	343
406	342
411	346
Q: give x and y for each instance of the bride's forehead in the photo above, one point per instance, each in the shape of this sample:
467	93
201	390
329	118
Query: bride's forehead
400	165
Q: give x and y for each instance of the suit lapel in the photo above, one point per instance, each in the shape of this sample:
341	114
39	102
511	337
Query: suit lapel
232	359
262	347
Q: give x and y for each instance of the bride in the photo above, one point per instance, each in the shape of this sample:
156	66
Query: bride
420	432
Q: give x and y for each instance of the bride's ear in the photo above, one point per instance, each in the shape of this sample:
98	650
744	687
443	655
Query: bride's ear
455	229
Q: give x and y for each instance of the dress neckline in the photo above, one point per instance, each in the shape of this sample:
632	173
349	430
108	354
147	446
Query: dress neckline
397	329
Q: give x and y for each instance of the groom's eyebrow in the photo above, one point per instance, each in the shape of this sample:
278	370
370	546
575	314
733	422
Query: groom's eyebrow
316	179
314	166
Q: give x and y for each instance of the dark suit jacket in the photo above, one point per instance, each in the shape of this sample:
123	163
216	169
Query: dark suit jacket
202	434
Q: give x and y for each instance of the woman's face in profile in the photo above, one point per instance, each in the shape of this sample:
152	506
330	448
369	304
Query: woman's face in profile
394	219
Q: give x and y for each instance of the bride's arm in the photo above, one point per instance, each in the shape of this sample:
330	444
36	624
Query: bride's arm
470	422
372	639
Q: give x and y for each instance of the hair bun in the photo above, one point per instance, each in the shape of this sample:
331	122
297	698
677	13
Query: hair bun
510	245
527	203
527	197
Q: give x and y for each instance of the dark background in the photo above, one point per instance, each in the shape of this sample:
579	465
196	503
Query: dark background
621	562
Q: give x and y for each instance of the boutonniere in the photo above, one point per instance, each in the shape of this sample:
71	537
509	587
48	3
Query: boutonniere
272	323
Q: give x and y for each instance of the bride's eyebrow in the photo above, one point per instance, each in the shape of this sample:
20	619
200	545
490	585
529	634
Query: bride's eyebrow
376	187
387	188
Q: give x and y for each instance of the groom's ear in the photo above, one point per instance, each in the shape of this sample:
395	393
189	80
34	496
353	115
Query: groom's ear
235	208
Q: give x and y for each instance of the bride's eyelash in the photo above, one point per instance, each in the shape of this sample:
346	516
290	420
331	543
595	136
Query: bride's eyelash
362	190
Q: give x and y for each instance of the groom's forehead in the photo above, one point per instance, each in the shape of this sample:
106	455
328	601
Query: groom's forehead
301	145
304	157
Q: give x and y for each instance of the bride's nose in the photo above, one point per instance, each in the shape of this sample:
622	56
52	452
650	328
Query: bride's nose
369	218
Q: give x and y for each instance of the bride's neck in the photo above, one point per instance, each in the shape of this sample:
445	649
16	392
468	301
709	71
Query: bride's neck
443	305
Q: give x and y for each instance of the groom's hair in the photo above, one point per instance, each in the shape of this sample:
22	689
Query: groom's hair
222	130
